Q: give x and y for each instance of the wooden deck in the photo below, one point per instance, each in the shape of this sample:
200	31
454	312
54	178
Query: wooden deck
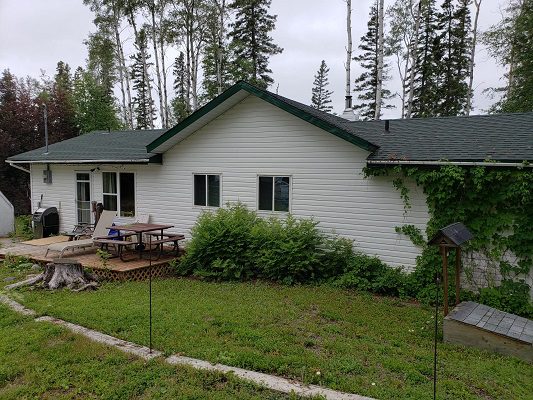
115	269
478	325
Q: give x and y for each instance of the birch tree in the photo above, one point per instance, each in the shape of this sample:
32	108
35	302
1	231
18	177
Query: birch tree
349	49
477	4
380	55
400	42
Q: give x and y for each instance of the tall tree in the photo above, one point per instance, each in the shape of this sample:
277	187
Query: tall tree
400	42
472	59
380	53
180	106
367	83
424	91
94	107
520	94
60	102
455	47
321	96
109	17
143	102
509	42
250	41
216	76
348	64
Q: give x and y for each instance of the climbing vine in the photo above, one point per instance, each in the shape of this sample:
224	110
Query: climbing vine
495	203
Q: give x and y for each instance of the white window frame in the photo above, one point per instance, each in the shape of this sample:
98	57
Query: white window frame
76	180
219	174
117	195
273	176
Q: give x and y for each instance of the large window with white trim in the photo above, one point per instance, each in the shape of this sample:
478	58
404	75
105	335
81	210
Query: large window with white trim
119	192
206	190
274	193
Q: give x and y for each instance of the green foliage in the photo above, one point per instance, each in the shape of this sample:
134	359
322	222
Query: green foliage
233	243
104	257
251	43
321	96
23	229
371	274
16	263
510	296
413	233
494	203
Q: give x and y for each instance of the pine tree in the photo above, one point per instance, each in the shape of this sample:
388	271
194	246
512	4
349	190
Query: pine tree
179	104
427	66
142	102
519	96
366	83
454	41
250	41
60	102
321	96
216	77
95	109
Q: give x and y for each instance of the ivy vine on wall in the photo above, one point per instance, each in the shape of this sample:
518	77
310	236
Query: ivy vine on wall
495	203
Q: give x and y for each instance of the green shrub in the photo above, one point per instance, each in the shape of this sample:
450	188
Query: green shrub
510	296
371	274
233	243
17	263
287	250
221	245
23	229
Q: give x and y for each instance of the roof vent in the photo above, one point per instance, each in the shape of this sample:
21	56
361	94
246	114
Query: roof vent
387	125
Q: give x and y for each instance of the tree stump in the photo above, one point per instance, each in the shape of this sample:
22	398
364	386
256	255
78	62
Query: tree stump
62	272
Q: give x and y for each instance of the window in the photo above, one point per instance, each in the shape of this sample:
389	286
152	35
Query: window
207	190
119	192
274	193
83	197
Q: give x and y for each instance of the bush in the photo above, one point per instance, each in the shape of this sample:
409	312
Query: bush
233	243
221	245
510	296
23	229
371	274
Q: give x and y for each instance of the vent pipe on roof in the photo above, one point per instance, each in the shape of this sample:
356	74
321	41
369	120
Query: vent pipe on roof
387	125
348	110
45	112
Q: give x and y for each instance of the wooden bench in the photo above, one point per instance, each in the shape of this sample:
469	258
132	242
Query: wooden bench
166	238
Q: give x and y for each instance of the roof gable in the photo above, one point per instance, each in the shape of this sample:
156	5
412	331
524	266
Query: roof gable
237	93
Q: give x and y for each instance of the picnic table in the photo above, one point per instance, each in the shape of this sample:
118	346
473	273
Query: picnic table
139	229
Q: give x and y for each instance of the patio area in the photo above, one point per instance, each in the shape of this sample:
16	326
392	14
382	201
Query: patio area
114	269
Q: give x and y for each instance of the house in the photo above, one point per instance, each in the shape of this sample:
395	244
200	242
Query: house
276	156
7	216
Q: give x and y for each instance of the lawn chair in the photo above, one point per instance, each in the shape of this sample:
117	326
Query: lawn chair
100	231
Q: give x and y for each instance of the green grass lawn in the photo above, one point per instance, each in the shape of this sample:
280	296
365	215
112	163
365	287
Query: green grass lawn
379	347
44	361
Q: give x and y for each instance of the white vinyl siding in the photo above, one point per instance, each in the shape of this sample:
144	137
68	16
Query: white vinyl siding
255	139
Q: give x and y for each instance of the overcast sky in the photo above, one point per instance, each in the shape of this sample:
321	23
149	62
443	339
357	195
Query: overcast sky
36	34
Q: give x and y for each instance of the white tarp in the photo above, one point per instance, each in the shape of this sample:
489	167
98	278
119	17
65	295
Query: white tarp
7	216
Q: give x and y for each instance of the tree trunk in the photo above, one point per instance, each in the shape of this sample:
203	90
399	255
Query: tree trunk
62	272
379	79
348	48
163	69
472	57
157	69
221	33
414	55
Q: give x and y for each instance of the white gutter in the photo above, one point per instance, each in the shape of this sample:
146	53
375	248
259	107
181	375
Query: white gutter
19	167
465	163
78	162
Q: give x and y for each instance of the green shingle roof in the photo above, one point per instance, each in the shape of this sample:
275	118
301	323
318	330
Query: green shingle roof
98	146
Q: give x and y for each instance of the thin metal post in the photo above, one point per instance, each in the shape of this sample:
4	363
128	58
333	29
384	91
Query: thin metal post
437	281
457	274
150	279
45	111
445	277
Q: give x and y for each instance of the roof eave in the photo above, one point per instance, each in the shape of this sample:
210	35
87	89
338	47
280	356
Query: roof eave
485	163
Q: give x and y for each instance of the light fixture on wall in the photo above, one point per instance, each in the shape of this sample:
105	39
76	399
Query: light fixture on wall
95	169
